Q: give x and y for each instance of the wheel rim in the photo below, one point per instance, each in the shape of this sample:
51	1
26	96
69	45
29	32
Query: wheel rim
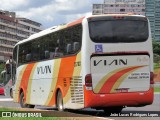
60	105
60	102
11	94
23	101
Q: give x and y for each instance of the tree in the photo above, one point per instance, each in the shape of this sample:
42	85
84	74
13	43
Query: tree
1	69
156	47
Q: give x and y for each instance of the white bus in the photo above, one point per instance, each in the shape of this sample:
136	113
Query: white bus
100	61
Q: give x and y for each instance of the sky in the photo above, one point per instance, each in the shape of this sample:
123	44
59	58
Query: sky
49	12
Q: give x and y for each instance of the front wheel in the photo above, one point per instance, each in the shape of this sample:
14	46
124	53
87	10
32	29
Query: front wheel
11	93
22	102
60	101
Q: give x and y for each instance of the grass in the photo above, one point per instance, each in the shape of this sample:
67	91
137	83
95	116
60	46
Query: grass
43	118
156	67
7	109
157	89
29	118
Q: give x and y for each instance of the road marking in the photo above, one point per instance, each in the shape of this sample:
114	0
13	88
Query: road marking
6	99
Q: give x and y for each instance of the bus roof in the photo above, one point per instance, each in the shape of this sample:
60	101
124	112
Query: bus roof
59	27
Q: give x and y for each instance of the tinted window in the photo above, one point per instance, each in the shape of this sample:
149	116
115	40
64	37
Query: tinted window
24	53
15	54
55	45
118	30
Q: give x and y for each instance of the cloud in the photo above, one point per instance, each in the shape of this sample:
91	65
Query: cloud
12	4
49	18
57	11
49	12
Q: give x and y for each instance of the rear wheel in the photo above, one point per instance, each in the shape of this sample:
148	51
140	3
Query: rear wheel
60	101
109	110
22	102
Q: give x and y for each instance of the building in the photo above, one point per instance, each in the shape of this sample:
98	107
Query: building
153	13
149	8
12	30
120	7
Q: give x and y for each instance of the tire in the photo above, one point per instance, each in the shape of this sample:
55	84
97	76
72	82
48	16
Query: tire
22	102
109	110
60	106
11	93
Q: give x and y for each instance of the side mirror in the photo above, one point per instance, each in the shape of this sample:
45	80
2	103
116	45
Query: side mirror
28	57
68	48
76	46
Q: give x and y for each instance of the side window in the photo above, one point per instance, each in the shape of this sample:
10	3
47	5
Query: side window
59	50
72	39
14	64
20	55
15	54
67	41
77	38
24	53
43	50
53	44
35	46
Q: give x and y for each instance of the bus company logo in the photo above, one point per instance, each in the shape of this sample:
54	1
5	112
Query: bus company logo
109	63
6	114
44	69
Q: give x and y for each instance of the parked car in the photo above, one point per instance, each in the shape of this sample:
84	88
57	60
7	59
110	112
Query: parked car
2	91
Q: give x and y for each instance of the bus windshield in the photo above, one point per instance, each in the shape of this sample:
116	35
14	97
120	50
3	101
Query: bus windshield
118	30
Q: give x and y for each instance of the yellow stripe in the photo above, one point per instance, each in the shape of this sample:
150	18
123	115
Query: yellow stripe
63	26
30	83
121	79
105	78
18	82
76	72
56	69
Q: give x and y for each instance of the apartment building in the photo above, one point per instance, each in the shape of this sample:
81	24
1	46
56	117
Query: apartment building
153	13
120	7
12	30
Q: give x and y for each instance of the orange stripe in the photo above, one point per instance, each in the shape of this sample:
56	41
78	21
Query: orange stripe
18	83
65	72
25	78
76	72
107	87
75	22
106	77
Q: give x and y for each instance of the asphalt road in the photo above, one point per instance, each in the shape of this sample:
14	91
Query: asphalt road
6	101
